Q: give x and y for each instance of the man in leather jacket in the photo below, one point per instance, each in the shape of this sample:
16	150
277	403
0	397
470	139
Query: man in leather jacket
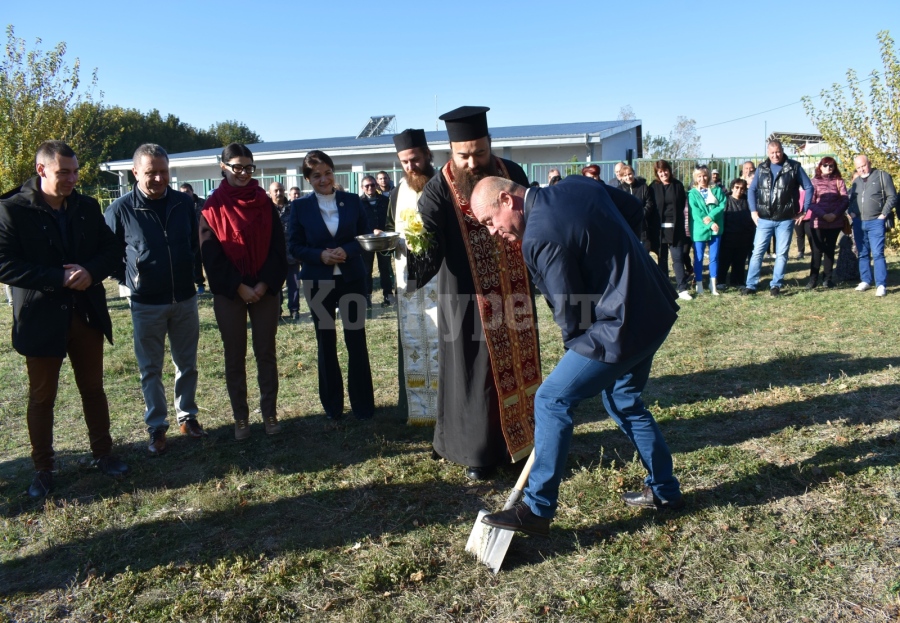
774	198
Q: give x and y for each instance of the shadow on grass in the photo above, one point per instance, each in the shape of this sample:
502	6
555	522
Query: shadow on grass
767	484
306	444
784	371
867	405
314	520
335	513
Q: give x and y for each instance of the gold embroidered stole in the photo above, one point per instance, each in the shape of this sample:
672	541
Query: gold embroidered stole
503	297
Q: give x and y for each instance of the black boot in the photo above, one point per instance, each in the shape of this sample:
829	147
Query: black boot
813	282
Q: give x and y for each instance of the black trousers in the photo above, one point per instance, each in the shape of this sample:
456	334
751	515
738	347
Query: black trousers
678	263
733	253
823	242
801	233
324	298
385	271
198	269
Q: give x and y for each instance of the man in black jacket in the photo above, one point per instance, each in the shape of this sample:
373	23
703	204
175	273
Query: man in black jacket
615	309
283	205
376	207
55	250
188	190
158	227
774	198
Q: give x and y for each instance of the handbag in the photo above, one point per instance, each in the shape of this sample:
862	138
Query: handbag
847	227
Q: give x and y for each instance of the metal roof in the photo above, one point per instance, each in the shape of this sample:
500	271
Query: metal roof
552	130
796	138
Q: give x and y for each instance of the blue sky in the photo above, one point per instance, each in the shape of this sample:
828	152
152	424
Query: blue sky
293	70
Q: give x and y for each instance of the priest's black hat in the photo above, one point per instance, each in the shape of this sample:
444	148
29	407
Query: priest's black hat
409	138
466	123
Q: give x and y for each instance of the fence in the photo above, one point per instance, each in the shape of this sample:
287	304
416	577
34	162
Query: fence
351	181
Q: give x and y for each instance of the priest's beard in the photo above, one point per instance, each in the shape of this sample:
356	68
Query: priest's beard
417	181
465	179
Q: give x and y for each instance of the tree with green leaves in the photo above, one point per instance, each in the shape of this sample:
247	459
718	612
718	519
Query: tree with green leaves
853	123
41	98
227	132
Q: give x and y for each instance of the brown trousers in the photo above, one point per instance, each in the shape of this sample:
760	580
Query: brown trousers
231	316
85	350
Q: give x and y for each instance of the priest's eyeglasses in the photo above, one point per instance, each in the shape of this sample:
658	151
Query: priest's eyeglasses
237	169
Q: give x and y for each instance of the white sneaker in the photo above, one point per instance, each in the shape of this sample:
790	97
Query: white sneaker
880	291
862	287
699	289
684	295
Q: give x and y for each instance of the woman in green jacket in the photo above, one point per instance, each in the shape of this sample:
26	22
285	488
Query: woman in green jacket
706	217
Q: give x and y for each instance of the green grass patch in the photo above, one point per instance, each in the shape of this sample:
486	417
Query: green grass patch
782	415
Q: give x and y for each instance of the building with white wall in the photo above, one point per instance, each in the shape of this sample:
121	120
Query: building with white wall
533	146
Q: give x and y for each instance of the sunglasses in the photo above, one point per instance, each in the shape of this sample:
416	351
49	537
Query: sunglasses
237	169
827	166
368	185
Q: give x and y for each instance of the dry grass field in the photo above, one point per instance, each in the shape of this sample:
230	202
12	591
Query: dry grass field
782	414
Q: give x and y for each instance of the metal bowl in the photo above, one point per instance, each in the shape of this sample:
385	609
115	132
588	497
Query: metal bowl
385	241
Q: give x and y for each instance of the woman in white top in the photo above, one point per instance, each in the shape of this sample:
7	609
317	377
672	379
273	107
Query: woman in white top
322	236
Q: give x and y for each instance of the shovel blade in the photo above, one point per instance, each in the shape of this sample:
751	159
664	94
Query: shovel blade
489	544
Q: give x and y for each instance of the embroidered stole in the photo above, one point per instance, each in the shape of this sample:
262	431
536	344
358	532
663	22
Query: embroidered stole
503	297
417	314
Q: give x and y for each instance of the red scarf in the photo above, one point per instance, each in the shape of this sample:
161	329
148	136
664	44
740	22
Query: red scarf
241	218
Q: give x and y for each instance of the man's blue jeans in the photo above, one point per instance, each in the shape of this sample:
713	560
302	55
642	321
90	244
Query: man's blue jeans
765	229
181	322
577	378
869	239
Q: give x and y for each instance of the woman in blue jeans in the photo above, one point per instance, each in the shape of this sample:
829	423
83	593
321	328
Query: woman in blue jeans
707	218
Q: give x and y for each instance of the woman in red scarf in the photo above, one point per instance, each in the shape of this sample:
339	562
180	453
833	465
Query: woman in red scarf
242	243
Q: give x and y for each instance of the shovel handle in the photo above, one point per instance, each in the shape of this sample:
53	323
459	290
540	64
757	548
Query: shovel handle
516	494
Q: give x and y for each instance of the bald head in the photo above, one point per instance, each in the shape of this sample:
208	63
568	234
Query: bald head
499	205
276	193
862	165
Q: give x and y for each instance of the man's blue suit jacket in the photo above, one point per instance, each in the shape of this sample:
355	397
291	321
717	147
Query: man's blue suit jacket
609	297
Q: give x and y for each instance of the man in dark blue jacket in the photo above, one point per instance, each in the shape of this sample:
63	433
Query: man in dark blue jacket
158	227
376	207
615	309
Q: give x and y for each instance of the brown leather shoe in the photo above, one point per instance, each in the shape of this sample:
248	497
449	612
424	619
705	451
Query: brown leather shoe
272	425
520	518
192	428
646	499
241	429
157	443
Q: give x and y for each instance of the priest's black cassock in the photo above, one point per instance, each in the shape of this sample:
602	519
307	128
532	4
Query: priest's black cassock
468	429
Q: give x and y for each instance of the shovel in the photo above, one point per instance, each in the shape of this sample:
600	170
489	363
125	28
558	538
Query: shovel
489	544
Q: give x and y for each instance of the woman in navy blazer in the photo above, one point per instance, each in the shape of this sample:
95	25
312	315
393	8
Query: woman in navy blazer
322	235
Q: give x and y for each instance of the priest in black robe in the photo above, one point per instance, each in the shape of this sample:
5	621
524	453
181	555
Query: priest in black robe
488	371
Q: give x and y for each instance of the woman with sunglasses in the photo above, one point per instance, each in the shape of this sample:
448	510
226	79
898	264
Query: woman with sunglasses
824	219
322	234
243	248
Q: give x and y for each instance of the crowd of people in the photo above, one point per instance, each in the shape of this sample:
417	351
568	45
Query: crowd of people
732	228
477	243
